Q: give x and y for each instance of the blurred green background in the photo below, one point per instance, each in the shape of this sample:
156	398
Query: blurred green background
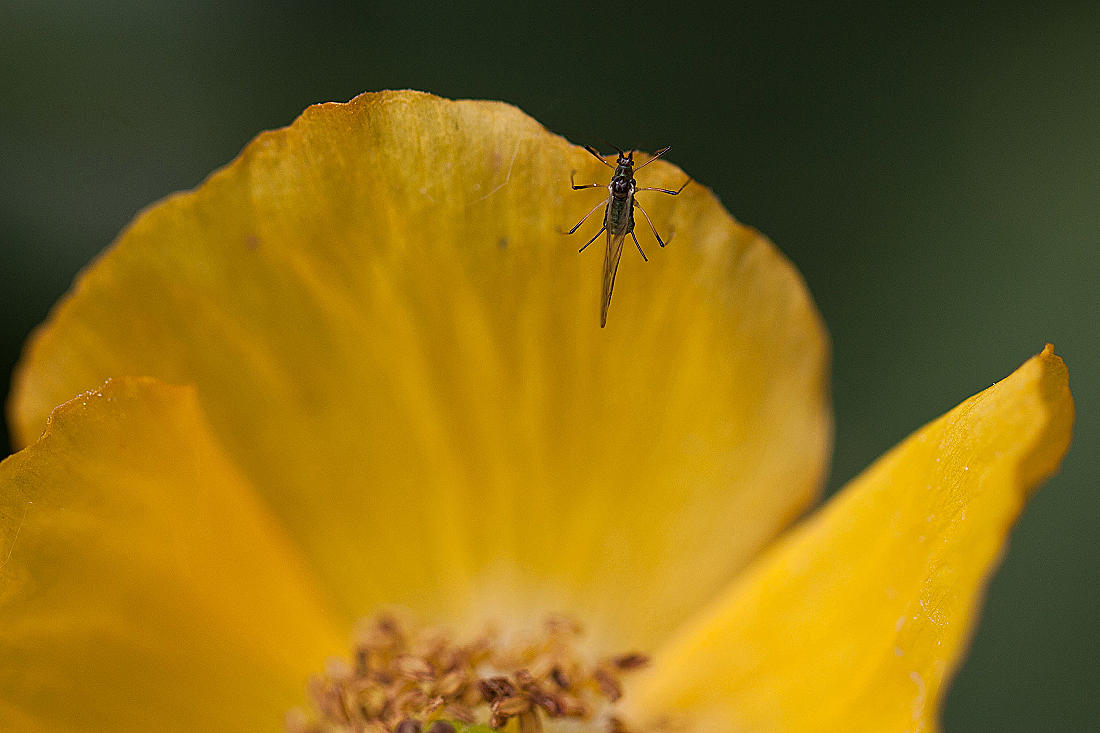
933	171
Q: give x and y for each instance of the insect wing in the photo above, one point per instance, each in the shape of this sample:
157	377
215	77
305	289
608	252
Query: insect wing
610	267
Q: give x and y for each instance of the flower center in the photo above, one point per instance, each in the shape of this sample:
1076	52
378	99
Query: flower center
403	681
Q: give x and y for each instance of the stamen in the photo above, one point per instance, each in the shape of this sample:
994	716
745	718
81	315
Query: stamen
425	682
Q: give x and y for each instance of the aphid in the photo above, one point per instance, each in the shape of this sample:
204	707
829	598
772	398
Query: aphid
618	217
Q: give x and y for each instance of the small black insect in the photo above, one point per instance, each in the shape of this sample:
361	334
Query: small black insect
618	217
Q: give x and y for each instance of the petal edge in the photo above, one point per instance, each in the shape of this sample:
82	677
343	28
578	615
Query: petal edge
858	618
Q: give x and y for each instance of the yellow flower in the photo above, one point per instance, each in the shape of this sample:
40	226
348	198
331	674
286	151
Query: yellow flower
360	368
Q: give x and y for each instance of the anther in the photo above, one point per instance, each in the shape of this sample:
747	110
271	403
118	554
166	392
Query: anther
608	685
630	661
398	682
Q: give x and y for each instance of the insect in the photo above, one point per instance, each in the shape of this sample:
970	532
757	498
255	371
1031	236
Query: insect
618	217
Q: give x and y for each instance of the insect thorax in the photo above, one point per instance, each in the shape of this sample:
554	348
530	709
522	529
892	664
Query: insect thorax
622	185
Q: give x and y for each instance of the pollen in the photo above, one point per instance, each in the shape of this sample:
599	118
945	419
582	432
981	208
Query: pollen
401	680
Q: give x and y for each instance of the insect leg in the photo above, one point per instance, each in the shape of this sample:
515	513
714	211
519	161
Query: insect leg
656	155
587	185
590	213
598	157
651	227
665	190
590	241
639	246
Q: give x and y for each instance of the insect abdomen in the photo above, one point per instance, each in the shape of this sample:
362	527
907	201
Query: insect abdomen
620	216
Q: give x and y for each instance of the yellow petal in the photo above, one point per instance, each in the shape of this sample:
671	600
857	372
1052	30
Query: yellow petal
395	340
142	585
856	620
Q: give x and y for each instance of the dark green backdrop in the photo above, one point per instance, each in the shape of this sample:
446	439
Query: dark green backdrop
934	173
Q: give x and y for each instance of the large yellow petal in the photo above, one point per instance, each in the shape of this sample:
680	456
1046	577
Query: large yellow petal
856	620
393	337
142	585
